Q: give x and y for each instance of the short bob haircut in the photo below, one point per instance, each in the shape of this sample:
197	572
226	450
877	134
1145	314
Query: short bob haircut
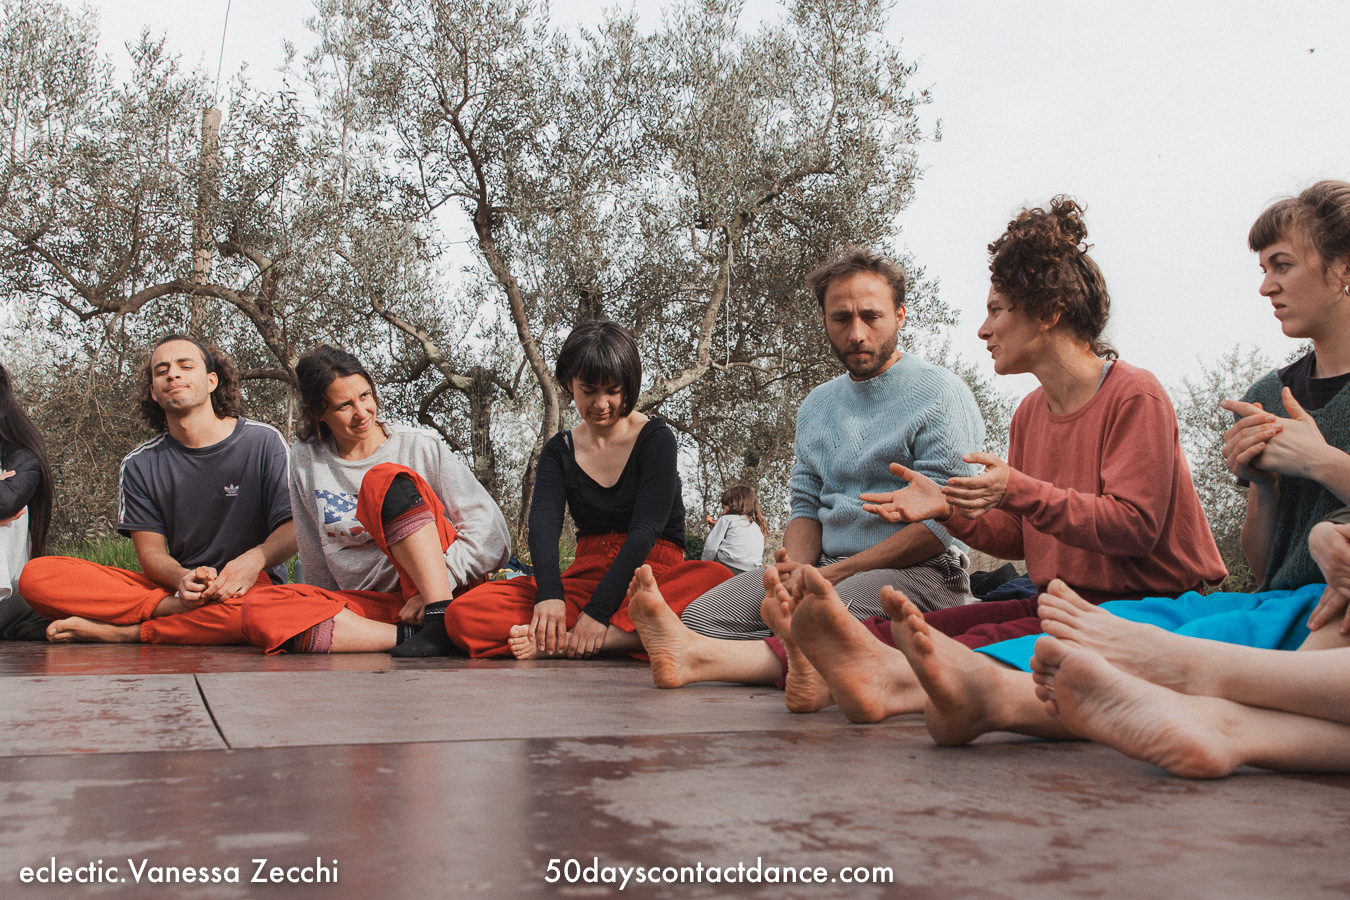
857	261
314	373
1041	265
225	399
1320	216
601	353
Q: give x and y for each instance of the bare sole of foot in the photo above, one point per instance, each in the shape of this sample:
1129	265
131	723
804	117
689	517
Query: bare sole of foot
522	644
962	688
672	648
79	630
1184	735
1146	651
868	680
805	691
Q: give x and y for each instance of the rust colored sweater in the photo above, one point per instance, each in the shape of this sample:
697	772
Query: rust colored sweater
1102	497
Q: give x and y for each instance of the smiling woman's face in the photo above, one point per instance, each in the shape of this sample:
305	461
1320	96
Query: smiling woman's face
351	409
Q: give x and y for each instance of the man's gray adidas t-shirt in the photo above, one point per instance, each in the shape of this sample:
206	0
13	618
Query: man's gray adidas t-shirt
210	503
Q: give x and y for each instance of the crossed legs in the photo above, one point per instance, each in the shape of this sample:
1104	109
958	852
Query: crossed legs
1194	707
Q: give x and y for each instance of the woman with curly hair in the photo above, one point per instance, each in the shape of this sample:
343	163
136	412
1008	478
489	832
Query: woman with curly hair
1096	490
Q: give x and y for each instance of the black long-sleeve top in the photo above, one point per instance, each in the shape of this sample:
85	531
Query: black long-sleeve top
18	489
645	504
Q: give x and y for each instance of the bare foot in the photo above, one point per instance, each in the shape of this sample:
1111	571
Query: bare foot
79	630
1145	651
964	696
669	643
805	690
868	680
1044	667
680	656
1187	736
521	641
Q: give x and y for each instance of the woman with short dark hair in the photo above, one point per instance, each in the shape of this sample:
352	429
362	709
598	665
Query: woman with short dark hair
616	473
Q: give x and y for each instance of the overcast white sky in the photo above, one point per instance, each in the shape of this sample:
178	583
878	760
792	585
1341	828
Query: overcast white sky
1175	123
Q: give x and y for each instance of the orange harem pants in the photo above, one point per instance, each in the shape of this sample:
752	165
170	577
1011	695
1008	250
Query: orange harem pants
273	616
481	620
60	586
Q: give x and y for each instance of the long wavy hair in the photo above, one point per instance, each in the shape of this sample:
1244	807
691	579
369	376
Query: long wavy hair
226	401
17	430
740	500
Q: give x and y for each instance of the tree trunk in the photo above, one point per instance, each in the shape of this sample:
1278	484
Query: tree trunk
208	195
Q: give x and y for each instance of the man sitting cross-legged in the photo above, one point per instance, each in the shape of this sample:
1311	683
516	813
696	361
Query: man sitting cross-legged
205	504
888	406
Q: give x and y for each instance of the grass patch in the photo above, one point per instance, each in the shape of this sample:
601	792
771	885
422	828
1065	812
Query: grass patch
109	550
118	552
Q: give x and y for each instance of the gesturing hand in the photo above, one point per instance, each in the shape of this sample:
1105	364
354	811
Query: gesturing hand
923	499
975	495
1297	446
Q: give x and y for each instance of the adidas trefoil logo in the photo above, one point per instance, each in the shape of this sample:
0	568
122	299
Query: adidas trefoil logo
231	490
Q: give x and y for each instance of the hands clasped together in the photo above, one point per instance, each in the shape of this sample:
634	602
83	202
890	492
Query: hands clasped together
204	584
1261	446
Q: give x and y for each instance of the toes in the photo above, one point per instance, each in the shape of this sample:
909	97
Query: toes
814	582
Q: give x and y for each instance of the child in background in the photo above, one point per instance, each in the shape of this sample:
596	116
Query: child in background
737	539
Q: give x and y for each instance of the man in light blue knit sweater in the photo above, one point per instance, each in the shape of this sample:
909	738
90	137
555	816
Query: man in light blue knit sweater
890	407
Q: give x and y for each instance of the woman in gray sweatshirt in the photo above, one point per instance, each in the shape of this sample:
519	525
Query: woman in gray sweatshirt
390	525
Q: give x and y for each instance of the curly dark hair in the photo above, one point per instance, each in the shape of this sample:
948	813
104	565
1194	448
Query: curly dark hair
1320	215
1041	265
856	261
226	401
315	372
